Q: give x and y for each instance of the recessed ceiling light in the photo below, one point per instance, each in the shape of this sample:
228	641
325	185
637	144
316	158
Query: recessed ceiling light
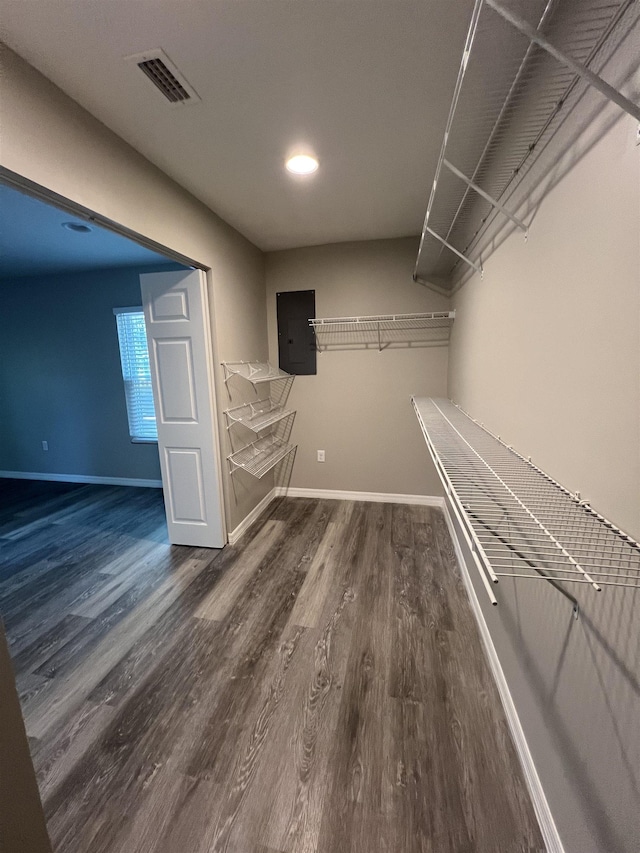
77	227
302	164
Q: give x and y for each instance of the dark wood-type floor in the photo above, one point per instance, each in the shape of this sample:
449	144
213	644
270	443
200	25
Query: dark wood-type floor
319	686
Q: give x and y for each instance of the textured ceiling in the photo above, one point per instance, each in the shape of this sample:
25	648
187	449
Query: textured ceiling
365	84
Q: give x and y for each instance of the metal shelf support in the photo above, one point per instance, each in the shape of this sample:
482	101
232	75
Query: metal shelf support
582	71
489	198
476	267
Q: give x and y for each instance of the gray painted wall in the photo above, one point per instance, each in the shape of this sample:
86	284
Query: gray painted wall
60	377
357	407
52	141
545	351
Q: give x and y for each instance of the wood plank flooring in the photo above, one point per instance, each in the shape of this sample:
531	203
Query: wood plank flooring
319	687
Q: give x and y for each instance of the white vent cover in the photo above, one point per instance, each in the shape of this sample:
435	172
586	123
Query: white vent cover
159	70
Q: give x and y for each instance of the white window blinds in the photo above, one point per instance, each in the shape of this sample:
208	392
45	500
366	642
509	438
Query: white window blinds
134	358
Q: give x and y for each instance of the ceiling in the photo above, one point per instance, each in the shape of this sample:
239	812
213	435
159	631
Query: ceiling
33	241
364	84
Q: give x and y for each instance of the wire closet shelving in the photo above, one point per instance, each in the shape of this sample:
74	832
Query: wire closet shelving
259	415
255	372
520	522
382	328
524	66
260	456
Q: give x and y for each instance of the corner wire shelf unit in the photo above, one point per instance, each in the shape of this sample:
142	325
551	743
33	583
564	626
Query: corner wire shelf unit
518	521
255	372
327	328
260	456
266	451
257	416
524	66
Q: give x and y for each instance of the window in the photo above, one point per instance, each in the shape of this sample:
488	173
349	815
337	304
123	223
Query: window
136	372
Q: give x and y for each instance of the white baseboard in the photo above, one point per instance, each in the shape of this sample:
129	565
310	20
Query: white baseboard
372	497
328	494
82	478
248	520
553	843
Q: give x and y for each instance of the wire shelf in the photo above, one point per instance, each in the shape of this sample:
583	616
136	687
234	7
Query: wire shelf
255	371
260	456
258	416
520	522
509	100
383	329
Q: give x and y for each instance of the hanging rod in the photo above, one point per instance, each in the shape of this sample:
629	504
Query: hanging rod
582	71
485	195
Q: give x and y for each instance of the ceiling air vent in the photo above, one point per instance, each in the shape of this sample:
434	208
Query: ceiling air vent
158	68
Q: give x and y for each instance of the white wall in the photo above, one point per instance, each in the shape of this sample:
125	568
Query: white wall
50	140
545	351
357	407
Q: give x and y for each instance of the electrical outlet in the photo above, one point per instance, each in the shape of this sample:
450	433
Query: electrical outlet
321	456
45	445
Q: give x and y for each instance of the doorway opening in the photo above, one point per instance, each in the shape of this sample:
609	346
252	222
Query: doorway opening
67	414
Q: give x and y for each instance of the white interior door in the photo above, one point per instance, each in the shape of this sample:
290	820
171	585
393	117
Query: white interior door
179	335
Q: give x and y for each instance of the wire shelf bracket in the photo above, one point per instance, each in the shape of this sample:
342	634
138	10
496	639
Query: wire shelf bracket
463	257
581	70
486	196
518	521
255	372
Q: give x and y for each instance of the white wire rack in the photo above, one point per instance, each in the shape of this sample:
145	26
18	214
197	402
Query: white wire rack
383	329
522	70
255	371
260	456
520	522
259	415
